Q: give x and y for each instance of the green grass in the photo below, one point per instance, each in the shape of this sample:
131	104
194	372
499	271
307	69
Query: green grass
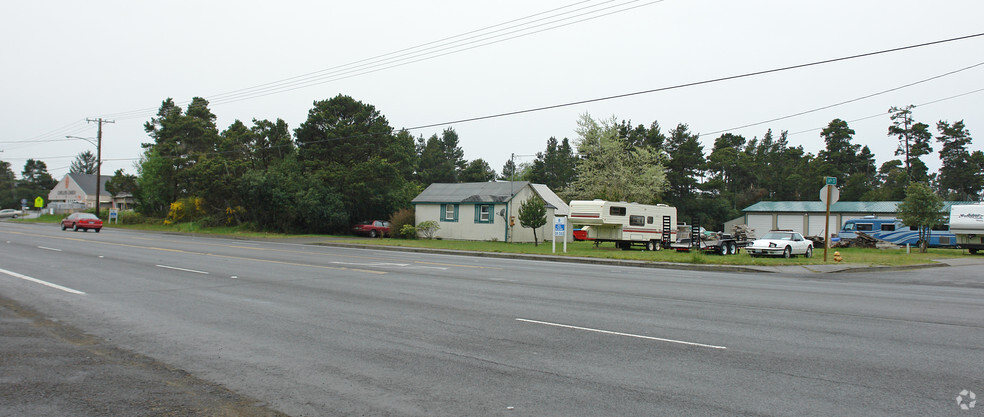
576	249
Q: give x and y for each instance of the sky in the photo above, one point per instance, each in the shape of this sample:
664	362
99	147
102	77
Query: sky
435	62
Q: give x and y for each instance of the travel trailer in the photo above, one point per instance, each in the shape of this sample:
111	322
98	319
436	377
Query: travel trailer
967	224
626	224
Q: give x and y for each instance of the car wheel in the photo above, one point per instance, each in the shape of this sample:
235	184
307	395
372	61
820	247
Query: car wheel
787	253
373	234
75	227
809	252
15	216
97	230
64	227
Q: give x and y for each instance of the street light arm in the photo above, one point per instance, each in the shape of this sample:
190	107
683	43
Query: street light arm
90	140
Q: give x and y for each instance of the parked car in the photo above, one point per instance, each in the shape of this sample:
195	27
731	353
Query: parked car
11	213
82	221
372	228
785	243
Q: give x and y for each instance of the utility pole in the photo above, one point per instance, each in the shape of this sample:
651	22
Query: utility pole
99	136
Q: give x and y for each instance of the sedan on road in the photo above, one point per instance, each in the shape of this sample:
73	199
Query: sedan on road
783	243
11	213
82	221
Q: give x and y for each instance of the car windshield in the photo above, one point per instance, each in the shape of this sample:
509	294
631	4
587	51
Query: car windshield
778	236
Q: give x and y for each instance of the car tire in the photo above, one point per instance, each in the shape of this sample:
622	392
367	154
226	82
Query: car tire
809	252
75	227
64	227
787	253
373	234
97	230
15	216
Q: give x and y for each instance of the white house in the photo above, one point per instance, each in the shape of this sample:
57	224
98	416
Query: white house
81	189
487	210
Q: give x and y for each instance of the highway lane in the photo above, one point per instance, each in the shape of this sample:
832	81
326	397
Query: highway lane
319	330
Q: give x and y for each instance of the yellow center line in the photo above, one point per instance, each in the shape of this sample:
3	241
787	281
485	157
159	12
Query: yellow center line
204	253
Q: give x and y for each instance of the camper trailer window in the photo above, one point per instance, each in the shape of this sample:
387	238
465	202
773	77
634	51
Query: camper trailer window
864	227
886	227
649	220
617	211
637	220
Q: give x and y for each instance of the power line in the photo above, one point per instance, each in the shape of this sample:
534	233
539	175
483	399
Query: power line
843	102
403	57
696	83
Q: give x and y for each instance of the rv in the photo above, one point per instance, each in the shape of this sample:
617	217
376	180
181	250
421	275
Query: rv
894	231
967	223
626	224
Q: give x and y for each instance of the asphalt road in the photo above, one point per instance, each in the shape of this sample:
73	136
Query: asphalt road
310	330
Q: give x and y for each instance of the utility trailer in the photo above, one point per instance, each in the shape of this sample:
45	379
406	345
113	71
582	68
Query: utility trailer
713	242
626	224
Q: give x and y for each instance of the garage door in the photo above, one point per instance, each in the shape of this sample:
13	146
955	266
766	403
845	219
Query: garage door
792	222
760	223
816	224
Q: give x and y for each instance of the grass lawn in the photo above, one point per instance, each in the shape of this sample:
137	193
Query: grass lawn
577	249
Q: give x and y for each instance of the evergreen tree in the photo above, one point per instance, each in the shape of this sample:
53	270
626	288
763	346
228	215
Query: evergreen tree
84	163
555	166
533	215
958	176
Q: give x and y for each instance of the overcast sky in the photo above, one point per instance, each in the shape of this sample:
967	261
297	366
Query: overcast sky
65	61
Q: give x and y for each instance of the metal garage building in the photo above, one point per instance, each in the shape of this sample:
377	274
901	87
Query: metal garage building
807	217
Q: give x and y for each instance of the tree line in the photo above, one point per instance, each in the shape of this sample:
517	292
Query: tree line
345	163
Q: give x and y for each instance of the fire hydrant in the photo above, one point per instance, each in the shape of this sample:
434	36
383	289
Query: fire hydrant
838	257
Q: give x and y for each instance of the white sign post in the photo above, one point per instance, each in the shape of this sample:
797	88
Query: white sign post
560	229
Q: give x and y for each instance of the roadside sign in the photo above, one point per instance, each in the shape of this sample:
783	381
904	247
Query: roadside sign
559	226
831	181
834	194
23	202
39	202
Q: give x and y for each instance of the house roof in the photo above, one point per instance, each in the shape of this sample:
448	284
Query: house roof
838	207
87	182
487	192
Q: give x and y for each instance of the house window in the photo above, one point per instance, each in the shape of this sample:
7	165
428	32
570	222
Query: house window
637	220
616	211
484	213
449	212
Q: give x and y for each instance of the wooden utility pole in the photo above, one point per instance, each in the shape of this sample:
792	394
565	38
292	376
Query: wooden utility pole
99	136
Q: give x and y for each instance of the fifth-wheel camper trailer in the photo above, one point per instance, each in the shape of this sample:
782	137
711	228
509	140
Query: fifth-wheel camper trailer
626	224
967	223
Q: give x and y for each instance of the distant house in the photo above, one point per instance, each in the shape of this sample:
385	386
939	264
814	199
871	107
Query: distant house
81	190
483	210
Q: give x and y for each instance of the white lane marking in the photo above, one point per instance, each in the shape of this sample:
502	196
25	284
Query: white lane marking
566	326
47	248
38	281
182	269
387	264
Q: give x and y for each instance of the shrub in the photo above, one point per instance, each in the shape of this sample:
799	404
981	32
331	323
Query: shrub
399	221
427	229
407	232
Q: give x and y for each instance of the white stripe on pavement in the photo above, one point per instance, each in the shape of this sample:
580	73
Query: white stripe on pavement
566	326
38	281
181	269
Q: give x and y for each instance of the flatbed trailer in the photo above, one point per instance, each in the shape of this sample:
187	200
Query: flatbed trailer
713	242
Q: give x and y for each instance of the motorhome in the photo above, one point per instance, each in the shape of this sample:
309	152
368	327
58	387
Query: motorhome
967	223
894	231
626	224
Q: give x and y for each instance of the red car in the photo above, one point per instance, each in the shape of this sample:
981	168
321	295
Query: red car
372	228
83	221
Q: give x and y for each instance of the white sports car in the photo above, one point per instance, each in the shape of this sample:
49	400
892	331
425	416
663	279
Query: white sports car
781	243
